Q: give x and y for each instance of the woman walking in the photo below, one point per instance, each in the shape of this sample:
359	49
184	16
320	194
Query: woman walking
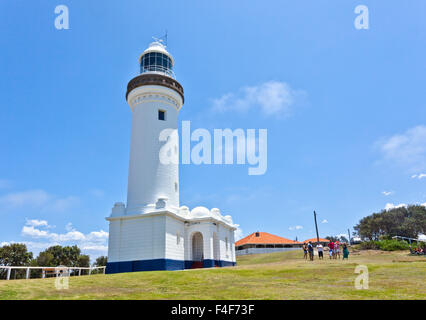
345	252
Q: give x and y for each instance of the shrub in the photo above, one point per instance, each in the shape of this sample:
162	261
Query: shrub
393	245
385	245
369	245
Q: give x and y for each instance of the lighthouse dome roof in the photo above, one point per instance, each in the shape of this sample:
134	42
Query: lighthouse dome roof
200	212
158	47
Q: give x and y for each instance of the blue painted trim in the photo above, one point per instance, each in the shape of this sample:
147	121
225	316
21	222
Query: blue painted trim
160	264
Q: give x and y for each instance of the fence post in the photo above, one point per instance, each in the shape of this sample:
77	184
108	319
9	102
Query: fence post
79	272
90	271
8	274
104	269
43	273
28	273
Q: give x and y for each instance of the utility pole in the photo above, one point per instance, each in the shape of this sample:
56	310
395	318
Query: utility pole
349	234
316	226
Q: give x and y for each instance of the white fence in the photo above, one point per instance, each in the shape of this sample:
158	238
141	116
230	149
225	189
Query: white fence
55	271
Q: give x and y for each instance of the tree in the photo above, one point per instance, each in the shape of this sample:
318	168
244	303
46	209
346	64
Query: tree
405	221
83	261
101	261
15	254
332	238
62	256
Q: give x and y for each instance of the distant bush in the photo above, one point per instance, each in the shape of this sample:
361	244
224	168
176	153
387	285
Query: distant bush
393	245
369	245
385	245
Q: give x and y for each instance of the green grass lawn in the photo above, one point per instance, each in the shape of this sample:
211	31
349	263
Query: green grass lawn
392	275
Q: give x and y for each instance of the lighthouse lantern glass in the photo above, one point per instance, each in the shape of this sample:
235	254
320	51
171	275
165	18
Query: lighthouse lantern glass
156	62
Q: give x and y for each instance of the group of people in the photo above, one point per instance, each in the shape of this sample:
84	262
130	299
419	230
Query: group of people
333	250
418	251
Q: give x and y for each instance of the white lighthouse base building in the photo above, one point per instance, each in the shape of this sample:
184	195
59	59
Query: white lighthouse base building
167	240
153	232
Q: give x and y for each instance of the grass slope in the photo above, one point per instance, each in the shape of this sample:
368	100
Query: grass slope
393	275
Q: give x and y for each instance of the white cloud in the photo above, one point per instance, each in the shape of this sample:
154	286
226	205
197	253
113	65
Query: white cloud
94	242
419	176
238	234
422	237
69	227
324	221
96	248
34	233
407	149
37	199
100	235
37	223
390	206
387	193
295	228
272	97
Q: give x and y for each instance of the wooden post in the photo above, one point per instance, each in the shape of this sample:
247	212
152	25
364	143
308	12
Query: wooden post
79	272
43	273
8	274
316	226
28	273
104	269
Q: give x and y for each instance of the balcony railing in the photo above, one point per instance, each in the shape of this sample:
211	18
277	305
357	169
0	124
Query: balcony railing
158	70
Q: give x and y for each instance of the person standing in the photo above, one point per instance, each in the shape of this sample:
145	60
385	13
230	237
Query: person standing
320	250
311	251
331	249
305	251
337	249
345	252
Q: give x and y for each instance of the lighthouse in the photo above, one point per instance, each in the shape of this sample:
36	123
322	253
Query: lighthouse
152	231
155	98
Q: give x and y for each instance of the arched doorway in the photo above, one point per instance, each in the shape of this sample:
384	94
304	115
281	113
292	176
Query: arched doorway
197	247
216	249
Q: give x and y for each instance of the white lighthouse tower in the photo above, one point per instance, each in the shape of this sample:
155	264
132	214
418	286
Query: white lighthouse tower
153	232
155	99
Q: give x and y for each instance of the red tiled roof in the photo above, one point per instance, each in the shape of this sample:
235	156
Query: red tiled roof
264	238
315	240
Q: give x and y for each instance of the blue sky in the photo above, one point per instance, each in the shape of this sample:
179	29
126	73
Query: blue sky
349	139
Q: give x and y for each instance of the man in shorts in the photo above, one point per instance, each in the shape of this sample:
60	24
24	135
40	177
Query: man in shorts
331	249
320	250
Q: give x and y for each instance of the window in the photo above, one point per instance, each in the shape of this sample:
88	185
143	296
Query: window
161	115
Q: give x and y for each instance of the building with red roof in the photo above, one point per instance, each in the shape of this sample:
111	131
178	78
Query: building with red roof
263	242
323	241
